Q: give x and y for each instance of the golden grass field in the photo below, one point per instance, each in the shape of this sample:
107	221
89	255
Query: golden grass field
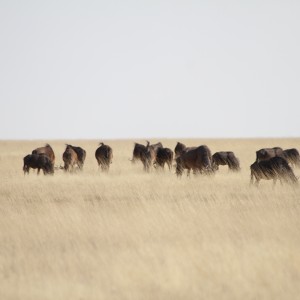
132	235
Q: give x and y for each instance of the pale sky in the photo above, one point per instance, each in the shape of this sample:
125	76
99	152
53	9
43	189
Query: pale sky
149	69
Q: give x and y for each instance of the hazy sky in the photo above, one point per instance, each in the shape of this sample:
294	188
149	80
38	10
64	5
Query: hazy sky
130	69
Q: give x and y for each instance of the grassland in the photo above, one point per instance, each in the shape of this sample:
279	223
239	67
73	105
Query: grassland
132	235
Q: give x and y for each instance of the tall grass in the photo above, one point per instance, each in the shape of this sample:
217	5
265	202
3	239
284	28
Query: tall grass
131	235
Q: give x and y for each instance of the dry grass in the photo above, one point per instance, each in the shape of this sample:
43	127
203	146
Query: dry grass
131	235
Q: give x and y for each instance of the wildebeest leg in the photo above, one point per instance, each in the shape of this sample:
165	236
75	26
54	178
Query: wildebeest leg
103	167
169	165
146	168
26	169
38	171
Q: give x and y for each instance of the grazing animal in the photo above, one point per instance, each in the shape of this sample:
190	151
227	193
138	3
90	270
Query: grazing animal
164	156
272	169
70	159
146	154
137	152
197	159
156	146
104	156
225	158
148	157
81	154
47	150
180	148
267	153
292	156
38	161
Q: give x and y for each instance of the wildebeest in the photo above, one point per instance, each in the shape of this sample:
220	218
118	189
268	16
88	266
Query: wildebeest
146	154
47	150
164	156
267	153
38	161
180	148
148	157
225	158
137	152
292	156
81	154
104	156
197	159
70	159
275	168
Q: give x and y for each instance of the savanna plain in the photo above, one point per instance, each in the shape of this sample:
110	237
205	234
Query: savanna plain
127	234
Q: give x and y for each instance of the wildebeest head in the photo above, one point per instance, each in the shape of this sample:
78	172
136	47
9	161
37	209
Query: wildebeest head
179	149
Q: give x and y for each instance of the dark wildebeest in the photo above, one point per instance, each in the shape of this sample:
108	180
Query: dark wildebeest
47	150
81	154
292	156
267	153
225	158
198	159
139	150
164	156
272	169
70	159
148	157
104	156
146	154
180	148
38	161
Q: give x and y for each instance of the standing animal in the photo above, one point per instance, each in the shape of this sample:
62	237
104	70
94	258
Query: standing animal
272	169
47	150
148	157
197	159
70	159
164	156
81	154
38	161
139	152
267	153
225	158
292	156
104	156
180	148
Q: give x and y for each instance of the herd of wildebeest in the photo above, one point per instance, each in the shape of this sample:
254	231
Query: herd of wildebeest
270	164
